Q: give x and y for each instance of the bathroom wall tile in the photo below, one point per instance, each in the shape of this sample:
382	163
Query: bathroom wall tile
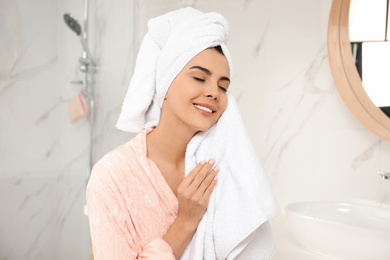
29	125
114	48
385	155
28	218
38	147
24	86
44	217
71	224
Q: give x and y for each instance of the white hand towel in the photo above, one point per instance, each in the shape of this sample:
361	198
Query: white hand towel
234	225
242	199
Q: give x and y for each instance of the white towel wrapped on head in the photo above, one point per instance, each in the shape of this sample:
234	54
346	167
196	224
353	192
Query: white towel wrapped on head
172	41
235	224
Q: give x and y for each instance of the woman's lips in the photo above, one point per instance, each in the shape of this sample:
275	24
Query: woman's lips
205	109
213	109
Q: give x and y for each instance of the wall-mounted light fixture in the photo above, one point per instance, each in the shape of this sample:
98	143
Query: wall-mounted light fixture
368	20
369	33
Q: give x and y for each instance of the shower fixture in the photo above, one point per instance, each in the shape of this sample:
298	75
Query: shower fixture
87	67
74	25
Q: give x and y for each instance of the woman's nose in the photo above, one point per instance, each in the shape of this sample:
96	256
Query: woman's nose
211	91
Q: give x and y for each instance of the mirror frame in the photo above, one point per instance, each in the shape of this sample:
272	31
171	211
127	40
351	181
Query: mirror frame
345	74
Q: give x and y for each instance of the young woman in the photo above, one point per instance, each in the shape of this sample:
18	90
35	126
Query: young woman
141	204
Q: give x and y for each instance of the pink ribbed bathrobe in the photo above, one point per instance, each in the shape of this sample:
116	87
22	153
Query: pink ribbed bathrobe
130	205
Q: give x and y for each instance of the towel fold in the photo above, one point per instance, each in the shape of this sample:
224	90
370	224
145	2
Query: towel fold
234	224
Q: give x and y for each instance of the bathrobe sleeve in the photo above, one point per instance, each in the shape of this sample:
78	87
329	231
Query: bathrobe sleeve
113	235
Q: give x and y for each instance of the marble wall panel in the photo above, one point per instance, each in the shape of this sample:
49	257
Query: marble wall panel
113	41
43	159
28	218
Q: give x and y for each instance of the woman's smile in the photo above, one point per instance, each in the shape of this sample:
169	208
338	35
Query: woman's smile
205	109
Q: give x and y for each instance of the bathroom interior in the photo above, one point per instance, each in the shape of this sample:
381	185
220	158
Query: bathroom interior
291	84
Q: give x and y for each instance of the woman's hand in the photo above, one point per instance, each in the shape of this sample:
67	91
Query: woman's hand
194	192
193	195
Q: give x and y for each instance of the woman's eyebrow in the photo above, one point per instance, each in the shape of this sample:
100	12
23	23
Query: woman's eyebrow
225	78
208	72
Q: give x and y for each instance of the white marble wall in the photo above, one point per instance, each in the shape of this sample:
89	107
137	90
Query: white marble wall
43	158
311	147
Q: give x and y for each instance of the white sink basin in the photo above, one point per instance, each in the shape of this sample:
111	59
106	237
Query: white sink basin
341	230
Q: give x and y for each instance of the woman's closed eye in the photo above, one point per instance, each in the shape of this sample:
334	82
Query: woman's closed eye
199	79
203	80
223	89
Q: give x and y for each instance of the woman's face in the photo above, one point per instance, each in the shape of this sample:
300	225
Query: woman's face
197	96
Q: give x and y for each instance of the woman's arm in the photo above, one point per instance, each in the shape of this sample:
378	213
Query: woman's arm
193	196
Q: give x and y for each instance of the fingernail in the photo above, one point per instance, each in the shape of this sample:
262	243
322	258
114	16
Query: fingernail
216	168
203	162
216	177
211	161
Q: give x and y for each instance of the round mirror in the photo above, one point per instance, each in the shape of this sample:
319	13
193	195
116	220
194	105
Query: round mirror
345	73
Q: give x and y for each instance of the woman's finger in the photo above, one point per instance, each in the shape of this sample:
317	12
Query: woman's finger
208	180
210	188
200	176
192	174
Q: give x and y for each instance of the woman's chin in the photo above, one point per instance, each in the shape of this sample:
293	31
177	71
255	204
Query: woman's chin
203	128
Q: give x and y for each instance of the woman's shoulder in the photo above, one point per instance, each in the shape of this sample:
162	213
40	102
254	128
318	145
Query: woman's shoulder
118	155
123	154
117	164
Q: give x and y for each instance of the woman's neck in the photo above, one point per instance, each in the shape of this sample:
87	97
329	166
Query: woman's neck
168	143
